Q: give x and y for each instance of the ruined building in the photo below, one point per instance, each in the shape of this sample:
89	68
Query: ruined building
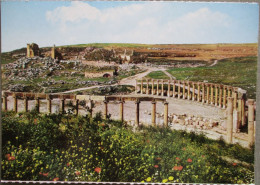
55	54
33	50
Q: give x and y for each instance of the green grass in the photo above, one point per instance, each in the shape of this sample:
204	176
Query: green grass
77	145
157	75
239	72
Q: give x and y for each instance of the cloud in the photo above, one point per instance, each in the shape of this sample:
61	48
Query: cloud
148	22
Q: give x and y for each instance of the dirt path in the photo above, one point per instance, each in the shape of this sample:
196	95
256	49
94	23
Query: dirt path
126	81
168	74
215	62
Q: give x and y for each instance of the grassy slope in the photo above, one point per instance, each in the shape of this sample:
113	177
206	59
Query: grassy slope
240	72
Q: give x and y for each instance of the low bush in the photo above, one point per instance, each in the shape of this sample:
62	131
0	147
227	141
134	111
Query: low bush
80	148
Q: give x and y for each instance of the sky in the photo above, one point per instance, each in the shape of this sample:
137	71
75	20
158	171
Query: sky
80	22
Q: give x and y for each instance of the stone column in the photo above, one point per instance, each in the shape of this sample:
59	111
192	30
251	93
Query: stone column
105	109
121	110
37	104
239	113
193	91
25	104
234	95
211	94
15	103
179	89
141	86
220	97
224	97
76	106
203	92
137	109
216	95
198	95
136	85
165	114
162	89
147	86
4	102
243	112
62	105
251	115
152	87
173	89
169	88
157	88
183	90
188	90
229	92
207	93
48	104
154	113
230	120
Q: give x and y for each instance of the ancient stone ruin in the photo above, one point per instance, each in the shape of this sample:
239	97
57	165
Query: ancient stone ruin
33	50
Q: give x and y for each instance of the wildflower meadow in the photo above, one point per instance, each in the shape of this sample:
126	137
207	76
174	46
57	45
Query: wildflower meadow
80	148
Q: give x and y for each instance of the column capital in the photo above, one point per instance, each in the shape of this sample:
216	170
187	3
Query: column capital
137	101
153	102
14	95
250	101
165	103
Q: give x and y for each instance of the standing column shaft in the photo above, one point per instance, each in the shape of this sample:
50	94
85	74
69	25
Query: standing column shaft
157	88
179	89
234	94
183	90
230	120
91	108
220	97
203	93
251	115
224	97
152	87
141	86
162	89
147	86
137	109
153	114
15	103
216	95
229	92
76	106
243	112
169	88
105	109
173	89
25	104
121	110
239	113
208	94
136	85
5	102
193	91
188	90
211	94
165	114
198	96
62	106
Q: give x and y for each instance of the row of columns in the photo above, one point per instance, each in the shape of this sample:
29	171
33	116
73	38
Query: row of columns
213	94
137	112
251	118
231	107
38	103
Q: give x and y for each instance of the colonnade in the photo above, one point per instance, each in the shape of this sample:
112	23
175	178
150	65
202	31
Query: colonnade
206	93
137	100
